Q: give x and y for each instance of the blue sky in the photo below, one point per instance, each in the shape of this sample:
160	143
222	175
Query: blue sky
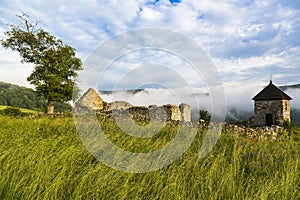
246	40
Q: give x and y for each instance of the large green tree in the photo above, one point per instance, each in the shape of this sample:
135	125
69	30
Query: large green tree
56	64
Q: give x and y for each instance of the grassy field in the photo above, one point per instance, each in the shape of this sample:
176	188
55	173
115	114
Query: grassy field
23	110
43	158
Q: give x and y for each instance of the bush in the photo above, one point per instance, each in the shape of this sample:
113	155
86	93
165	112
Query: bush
10	111
288	125
205	116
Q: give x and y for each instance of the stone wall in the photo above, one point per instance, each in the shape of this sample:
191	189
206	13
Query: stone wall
117	105
286	110
139	113
279	109
185	110
143	114
264	132
92	101
172	112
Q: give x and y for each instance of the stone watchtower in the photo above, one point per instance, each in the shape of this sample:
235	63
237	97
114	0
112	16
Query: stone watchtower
271	106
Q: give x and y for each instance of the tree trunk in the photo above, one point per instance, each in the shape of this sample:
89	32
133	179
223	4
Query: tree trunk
50	108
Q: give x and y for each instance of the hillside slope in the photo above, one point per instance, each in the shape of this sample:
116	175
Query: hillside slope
22	97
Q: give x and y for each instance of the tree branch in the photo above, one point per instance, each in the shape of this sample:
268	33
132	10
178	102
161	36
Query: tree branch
30	28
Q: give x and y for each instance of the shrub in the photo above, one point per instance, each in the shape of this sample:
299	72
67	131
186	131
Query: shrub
205	116
288	126
11	111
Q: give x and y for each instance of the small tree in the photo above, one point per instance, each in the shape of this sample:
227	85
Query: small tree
56	65
205	116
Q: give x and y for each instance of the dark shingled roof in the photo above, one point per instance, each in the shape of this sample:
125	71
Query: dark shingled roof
271	92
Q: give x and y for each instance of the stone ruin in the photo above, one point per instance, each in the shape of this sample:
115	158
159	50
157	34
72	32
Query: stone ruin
92	101
271	107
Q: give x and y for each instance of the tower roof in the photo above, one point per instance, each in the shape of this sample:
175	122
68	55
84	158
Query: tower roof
271	92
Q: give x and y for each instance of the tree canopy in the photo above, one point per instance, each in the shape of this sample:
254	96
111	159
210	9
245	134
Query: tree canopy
56	64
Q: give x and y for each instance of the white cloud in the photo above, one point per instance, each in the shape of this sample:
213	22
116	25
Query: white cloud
11	70
150	14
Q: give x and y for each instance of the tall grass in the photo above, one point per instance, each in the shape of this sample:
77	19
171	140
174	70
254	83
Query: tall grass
43	158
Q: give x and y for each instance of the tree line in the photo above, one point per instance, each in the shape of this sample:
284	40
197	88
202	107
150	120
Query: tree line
22	97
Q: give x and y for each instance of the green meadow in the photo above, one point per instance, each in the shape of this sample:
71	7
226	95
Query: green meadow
44	158
23	110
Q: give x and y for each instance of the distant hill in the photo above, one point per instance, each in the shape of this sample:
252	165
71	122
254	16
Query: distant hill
130	91
22	97
286	87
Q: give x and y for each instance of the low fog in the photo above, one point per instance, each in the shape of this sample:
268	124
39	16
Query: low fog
238	101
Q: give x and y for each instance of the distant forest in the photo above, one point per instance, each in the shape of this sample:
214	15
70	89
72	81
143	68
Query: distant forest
22	97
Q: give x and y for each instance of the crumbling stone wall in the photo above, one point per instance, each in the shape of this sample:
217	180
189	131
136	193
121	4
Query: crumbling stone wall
172	112
185	110
263	132
142	114
92	101
139	113
279	109
157	113
117	105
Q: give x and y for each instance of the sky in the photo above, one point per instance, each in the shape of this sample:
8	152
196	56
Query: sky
247	41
